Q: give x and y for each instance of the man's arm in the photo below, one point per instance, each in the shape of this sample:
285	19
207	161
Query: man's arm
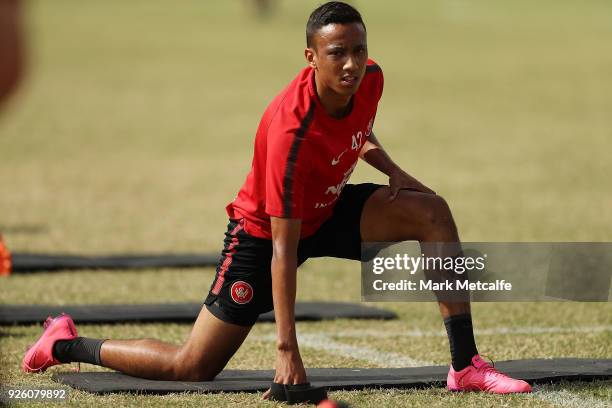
373	153
285	240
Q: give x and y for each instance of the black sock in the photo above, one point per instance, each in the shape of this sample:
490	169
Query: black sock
461	340
81	349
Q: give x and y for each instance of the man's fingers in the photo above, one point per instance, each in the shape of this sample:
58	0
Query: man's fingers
426	190
394	192
290	378
420	189
266	394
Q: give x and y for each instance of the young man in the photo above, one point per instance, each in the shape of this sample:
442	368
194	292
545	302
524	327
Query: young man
296	204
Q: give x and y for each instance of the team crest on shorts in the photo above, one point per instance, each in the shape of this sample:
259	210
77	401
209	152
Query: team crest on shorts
242	292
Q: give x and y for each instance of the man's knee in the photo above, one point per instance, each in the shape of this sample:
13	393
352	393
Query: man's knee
426	209
431	217
189	372
186	368
438	212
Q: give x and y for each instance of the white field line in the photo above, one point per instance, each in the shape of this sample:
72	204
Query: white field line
327	344
564	398
481	332
373	356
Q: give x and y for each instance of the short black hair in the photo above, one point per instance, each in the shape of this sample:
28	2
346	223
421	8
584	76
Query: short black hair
333	12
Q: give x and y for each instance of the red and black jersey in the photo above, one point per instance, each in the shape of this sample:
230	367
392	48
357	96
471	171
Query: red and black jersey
303	157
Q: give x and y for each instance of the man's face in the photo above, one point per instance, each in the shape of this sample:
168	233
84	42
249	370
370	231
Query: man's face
339	54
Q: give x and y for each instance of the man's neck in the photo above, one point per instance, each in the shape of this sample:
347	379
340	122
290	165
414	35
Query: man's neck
337	106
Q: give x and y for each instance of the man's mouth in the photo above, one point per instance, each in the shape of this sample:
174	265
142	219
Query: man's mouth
349	80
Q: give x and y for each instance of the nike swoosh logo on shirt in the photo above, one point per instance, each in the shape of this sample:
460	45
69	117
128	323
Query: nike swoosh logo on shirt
336	160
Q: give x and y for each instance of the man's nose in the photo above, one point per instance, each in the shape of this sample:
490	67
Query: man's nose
351	63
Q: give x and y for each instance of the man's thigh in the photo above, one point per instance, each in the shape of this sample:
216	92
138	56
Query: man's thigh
412	215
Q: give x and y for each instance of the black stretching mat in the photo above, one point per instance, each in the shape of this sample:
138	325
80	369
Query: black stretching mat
30	263
176	312
533	371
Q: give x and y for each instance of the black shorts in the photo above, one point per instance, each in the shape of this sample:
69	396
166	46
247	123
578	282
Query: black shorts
242	288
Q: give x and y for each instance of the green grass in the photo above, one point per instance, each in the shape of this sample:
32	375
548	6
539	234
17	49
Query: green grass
134	126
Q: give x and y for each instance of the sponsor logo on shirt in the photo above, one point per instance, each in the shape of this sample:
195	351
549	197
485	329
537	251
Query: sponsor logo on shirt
335	190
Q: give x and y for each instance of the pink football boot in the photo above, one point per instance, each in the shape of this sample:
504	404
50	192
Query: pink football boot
482	376
39	357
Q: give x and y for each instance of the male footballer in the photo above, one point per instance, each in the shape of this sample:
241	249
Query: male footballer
296	204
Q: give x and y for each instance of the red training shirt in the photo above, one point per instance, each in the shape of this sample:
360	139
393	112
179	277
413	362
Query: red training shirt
304	157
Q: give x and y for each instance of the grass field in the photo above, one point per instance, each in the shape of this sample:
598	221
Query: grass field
133	130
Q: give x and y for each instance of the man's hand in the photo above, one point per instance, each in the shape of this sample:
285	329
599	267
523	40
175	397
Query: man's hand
400	180
289	368
374	154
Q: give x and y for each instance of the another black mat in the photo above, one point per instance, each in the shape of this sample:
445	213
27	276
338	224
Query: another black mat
176	312
533	371
30	263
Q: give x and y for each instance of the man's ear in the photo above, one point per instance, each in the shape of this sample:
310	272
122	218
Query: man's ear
310	55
